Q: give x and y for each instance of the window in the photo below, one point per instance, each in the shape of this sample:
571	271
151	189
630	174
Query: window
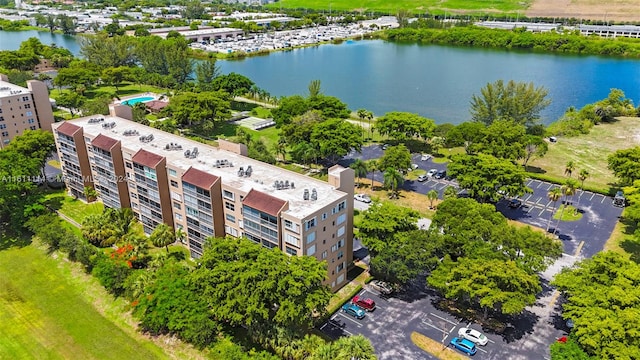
311	237
324	216
311	250
230	218
178	217
324	254
25	98
172	172
340	267
291	251
342	206
231	231
29	113
340	254
177	205
229	206
340	278
128	165
290	239
32	127
340	243
290	225
310	223
31	121
342	218
3	126
341	231
334	248
174	183
5	133
27	106
228	194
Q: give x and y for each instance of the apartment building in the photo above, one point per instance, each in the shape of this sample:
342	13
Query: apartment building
209	191
23	109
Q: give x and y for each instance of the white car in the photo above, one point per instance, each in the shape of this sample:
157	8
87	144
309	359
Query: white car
432	172
381	286
362	197
473	335
425	157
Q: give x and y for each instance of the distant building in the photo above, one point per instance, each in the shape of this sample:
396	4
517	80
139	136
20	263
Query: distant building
23	109
209	191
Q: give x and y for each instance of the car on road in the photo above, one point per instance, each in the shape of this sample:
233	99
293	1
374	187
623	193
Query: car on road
440	174
422	178
432	172
362	197
425	157
473	335
353	310
385	146
515	203
365	303
382	287
464	345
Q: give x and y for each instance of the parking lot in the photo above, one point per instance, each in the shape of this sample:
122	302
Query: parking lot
390	325
584	237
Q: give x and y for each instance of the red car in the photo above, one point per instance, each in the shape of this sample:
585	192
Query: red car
366	304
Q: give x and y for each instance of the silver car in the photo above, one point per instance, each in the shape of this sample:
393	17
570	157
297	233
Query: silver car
381	286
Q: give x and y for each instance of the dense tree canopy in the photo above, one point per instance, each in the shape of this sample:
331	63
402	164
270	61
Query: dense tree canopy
520	102
234	84
382	221
403	125
335	138
603	301
625	164
204	108
395	157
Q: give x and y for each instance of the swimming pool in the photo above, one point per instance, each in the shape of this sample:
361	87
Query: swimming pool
137	100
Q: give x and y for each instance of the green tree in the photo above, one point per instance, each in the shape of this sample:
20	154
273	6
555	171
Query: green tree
569	167
205	108
403	126
568	189
602	299
71	101
625	165
360	168
582	176
335	138
569	350
38	145
486	177
395	157
355	347
300	128
521	102
450	192
234	84
163	236
116	76
330	106
504	139
554	195
432	195
51	22
467	134
206	71
393	179
90	193
493	285
382	221
373	165
67	24
193	10
289	108
314	88
534	147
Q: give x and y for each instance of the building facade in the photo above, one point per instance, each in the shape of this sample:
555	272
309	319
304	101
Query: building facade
23	109
209	191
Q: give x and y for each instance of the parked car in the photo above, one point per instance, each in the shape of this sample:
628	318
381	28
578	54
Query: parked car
362	197
385	146
353	310
413	167
425	157
619	200
464	345
515	203
440	174
365	303
474	336
422	178
432	172
382	287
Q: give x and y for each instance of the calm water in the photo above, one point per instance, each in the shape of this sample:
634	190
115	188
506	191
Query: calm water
434	81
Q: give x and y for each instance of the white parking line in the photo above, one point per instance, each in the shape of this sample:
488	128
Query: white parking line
539	185
435	327
592	195
484	351
603	197
453	328
527	198
549	187
441	318
542	212
350	319
529	182
323	326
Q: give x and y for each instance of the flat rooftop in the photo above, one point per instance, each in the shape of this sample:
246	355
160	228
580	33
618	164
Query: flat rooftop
9	89
263	176
204	31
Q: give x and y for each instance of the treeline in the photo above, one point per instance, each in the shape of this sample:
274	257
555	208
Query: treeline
8	25
561	42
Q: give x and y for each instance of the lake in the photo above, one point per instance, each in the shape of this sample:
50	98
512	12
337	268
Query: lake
434	81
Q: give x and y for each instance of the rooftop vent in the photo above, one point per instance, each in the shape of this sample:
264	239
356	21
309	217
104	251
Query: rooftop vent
173	146
95	120
305	195
314	195
4	88
109	125
146	138
223	163
248	172
130	133
191	154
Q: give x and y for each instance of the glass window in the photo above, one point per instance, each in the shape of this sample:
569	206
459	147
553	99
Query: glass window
290	239
324	216
230	218
228	194
174	183
177	205
178	217
342	218
229	206
341	231
291	251
311	237
324	254
310	223
172	172
311	250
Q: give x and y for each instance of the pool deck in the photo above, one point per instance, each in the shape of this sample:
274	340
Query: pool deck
151	95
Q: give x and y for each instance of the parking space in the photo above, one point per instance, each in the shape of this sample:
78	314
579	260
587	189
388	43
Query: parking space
390	325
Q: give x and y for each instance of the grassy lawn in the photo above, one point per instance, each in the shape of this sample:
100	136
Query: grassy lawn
623	241
269	135
589	152
569	213
45	313
54	163
125	89
261	112
435	348
415	6
75	209
410	199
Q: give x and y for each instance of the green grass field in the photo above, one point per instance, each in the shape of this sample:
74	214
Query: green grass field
75	209
414	6
45	314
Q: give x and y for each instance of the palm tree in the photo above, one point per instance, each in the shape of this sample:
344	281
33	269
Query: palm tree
370	117
280	148
90	193
162	236
326	351
568	189
437	143
392	180
373	166
450	192
355	348
554	195
582	176
310	343
314	88
568	169
432	195
180	235
360	168
362	114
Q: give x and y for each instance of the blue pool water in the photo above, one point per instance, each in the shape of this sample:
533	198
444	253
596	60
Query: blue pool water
137	100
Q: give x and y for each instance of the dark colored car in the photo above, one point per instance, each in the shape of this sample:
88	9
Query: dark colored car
464	345
365	303
515	203
440	174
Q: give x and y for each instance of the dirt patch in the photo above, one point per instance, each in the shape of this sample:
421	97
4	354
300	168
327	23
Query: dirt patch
614	10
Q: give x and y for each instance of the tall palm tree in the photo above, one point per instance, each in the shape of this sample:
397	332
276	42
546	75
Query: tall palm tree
310	344
554	195
392	180
314	88
373	167
370	117
568	169
432	195
360	168
162	236
568	189
180	234
355	348
326	351
280	148
362	114
582	176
